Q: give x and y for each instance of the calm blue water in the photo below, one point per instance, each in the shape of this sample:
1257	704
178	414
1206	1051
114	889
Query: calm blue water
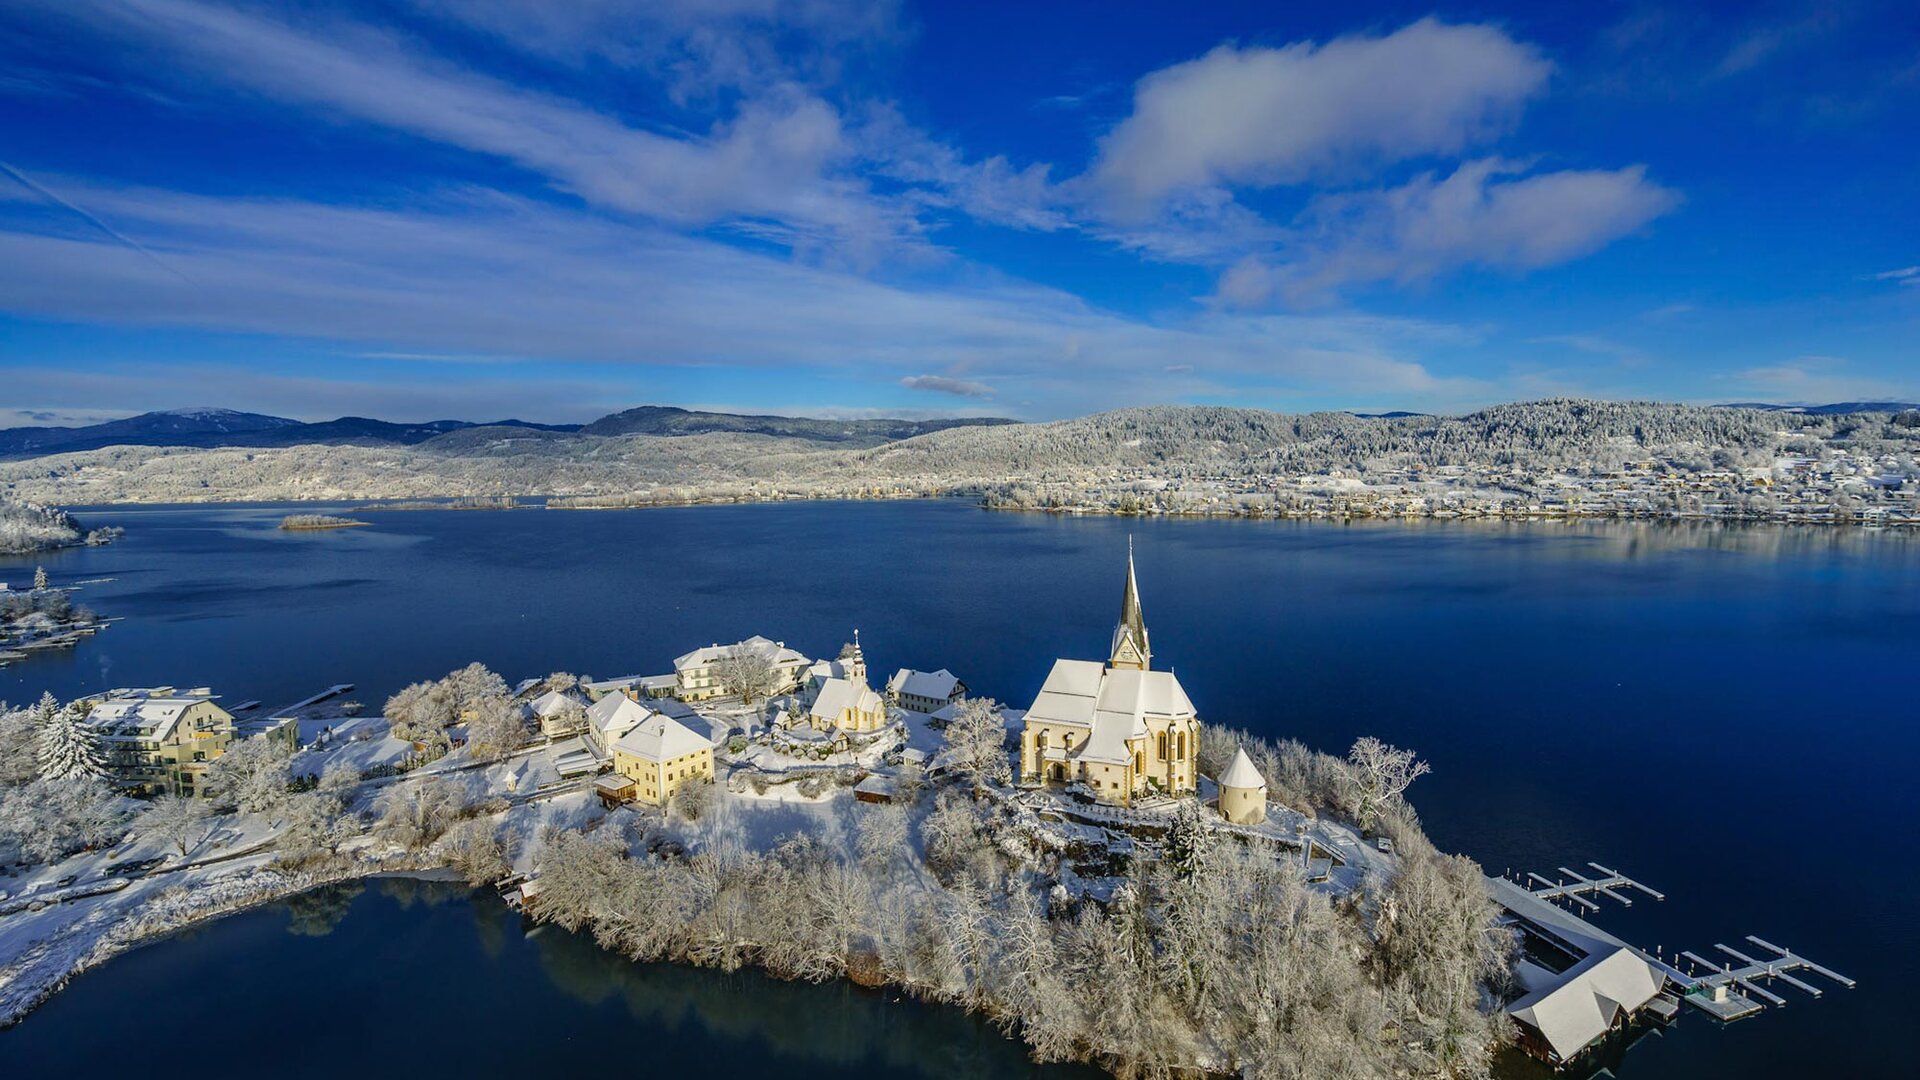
1726	714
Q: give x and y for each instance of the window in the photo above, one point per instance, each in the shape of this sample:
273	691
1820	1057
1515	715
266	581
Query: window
1163	746
1183	746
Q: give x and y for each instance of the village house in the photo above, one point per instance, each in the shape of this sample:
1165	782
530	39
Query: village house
1121	728
697	674
924	691
558	713
160	740
659	755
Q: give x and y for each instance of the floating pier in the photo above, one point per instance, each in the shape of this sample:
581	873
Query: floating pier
1724	989
1727	992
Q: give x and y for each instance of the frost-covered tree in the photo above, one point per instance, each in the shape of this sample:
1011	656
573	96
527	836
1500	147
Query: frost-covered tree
19	753
976	743
1189	841
748	673
67	746
251	776
472	684
180	820
414	812
45	820
421	713
39	578
318	821
496	730
1378	773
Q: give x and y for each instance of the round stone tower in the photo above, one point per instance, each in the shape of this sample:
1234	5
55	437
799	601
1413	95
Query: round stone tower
1243	792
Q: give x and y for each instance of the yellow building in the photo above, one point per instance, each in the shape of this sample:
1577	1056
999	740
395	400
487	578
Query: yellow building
849	706
159	740
1243	792
1120	728
659	755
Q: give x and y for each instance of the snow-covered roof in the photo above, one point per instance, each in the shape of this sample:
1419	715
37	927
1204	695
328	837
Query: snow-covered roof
1589	998
149	714
934	685
661	738
552	703
1242	774
837	696
1114	703
615	715
776	651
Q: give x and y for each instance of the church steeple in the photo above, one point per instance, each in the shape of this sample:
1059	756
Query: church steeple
1130	648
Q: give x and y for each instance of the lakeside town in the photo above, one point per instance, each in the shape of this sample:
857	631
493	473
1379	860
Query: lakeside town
812	786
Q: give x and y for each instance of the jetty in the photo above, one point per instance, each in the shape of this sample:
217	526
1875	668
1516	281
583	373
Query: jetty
1583	983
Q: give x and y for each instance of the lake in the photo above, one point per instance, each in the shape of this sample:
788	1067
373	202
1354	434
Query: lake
1727	714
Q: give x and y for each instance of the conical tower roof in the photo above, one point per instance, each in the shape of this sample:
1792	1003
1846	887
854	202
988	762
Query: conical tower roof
1130	648
1242	774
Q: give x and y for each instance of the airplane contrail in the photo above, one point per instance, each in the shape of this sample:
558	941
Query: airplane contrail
55	197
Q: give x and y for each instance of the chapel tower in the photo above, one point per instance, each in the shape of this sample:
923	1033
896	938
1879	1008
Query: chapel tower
1130	648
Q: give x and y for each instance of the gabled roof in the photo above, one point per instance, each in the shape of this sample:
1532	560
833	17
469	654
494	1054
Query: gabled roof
136	713
661	738
552	703
1242	774
837	696
616	714
774	650
933	685
1588	1000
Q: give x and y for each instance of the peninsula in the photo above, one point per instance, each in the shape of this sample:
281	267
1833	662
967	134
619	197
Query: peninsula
1106	874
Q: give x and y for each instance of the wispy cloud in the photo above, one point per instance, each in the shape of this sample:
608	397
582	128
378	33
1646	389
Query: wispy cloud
941	384
1906	275
466	275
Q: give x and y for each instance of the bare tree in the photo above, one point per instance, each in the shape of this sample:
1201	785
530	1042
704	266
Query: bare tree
976	743
496	730
180	820
251	776
1377	774
747	672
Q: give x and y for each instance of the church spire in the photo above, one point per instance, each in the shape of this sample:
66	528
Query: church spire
1130	649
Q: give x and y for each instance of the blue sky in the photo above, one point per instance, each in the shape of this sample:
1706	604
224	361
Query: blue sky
489	208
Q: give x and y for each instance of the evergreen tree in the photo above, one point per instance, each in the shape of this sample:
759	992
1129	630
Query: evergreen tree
1188	841
68	747
39	578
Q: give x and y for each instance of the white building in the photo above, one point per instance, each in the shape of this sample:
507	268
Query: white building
697	674
612	717
558	714
1567	1012
924	691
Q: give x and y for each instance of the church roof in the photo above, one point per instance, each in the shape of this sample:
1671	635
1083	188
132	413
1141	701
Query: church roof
837	696
1114	703
1242	774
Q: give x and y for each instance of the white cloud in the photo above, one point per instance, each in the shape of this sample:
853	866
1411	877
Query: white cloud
1265	116
1906	275
1814	380
779	160
1482	215
485	274
942	384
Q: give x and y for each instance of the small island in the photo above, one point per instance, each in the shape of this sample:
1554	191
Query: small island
310	522
27	528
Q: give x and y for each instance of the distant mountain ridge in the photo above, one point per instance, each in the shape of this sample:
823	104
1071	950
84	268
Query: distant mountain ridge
1838	408
668	420
208	428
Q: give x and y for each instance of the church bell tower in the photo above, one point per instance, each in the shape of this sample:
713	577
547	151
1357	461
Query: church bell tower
1130	648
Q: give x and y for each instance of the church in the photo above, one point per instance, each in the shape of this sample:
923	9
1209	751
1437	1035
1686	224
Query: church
1121	728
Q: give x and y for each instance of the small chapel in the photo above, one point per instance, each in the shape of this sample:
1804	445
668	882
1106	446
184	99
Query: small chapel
1120	728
